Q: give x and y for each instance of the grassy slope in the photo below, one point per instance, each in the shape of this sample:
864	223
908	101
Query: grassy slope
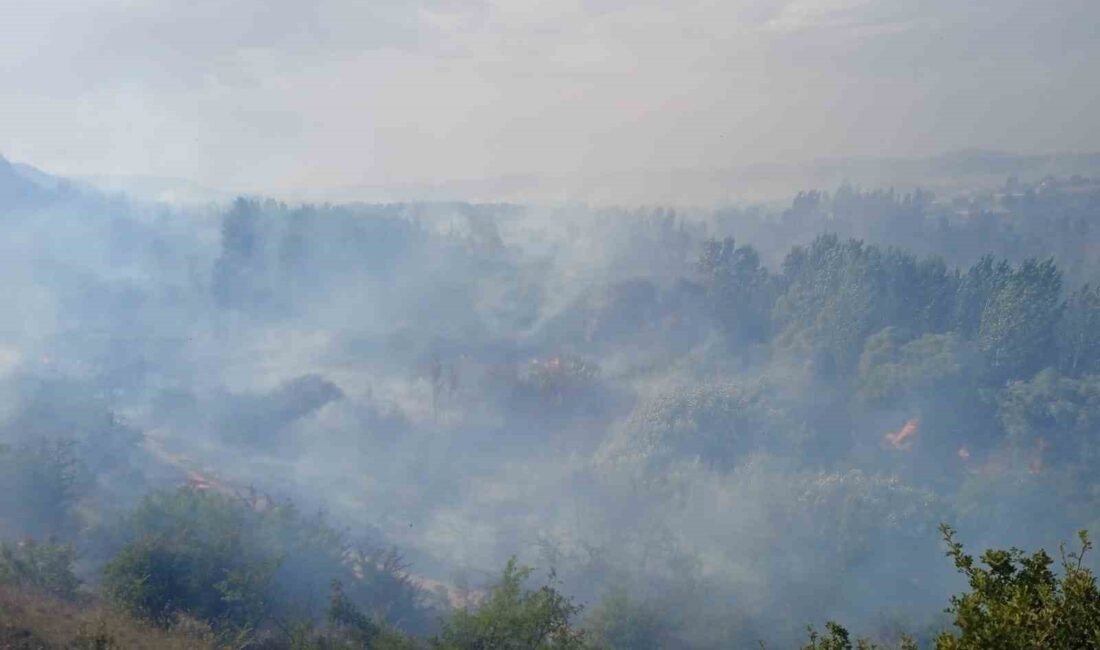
30	621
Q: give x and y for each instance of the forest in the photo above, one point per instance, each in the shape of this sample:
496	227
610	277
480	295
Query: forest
861	418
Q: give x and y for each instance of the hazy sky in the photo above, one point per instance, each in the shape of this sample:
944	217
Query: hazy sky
280	94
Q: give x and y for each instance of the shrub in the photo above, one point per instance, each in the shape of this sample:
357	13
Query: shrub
235	563
1017	601
157	578
716	423
515	618
838	638
44	567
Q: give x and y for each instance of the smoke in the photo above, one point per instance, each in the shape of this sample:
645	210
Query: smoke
472	382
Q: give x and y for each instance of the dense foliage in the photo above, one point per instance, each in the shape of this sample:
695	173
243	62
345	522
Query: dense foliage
39	566
242	563
1015	601
715	426
514	617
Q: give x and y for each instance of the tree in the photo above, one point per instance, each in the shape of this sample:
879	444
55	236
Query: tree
837	637
1018	322
1017	602
240	270
740	291
891	368
976	288
202	565
839	293
1059	414
715	423
1079	332
238	562
45	567
515	618
936	379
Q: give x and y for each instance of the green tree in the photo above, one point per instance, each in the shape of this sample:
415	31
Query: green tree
515	618
739	291
343	614
1079	332
45	567
976	288
1054	416
839	293
1017	602
212	574
716	423
892	369
837	637
239	272
238	562
1018	322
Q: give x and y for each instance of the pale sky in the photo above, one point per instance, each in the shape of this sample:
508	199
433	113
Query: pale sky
294	94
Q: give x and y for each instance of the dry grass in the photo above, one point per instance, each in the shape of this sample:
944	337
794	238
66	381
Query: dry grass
31	621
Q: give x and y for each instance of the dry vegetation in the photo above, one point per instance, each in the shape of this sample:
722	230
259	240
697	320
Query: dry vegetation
32	621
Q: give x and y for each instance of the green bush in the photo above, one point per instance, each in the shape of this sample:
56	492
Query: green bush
239	563
1054	415
220	581
515	618
45	567
836	637
1016	601
717	423
348	628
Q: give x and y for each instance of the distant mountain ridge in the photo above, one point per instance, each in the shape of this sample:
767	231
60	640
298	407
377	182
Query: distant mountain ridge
22	183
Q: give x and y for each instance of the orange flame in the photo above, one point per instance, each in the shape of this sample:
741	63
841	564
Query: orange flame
903	438
201	482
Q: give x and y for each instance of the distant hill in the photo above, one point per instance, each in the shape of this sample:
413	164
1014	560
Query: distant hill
946	173
21	184
157	189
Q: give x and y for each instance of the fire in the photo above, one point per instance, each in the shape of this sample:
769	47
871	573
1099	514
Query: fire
903	438
202	482
197	481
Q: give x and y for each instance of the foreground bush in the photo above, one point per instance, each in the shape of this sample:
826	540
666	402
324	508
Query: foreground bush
31	620
1015	602
515	618
245	564
193	554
